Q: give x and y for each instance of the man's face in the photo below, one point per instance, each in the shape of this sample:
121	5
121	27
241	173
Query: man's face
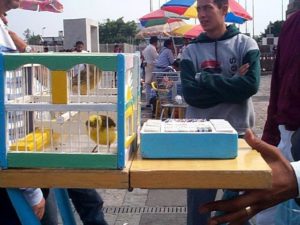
210	15
11	4
79	48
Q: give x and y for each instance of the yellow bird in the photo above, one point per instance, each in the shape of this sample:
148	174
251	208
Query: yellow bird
101	129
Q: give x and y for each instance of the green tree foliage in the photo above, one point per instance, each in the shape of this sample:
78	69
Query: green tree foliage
117	31
27	34
35	40
31	38
273	28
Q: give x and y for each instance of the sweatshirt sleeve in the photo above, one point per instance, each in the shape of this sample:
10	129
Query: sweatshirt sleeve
193	93
32	195
237	88
212	89
271	132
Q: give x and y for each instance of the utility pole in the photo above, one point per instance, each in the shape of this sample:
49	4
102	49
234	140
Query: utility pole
151	6
282	10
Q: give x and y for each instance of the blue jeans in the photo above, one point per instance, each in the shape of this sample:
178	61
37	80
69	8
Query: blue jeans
196	198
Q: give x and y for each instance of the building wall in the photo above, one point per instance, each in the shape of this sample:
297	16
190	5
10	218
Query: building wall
85	30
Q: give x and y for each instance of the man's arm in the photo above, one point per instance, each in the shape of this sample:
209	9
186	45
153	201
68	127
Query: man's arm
34	197
216	89
20	44
271	132
284	187
171	57
193	93
237	88
154	55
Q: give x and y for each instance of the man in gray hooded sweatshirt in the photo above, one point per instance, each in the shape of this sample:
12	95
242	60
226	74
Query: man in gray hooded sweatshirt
220	71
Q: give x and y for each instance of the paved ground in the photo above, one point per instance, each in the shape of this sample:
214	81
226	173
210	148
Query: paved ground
165	207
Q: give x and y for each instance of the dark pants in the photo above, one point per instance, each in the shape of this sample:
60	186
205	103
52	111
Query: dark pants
87	202
8	214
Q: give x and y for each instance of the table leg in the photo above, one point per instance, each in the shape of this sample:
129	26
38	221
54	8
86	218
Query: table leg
64	206
23	209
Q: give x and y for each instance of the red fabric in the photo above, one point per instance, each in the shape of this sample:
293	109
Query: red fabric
176	9
194	32
284	106
42	5
238	10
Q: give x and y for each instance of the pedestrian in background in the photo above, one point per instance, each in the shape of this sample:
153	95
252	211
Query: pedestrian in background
150	55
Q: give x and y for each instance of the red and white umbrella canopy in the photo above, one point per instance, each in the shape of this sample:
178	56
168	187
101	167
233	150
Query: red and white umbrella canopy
42	5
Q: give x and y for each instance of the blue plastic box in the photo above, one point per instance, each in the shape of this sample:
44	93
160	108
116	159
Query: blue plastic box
215	139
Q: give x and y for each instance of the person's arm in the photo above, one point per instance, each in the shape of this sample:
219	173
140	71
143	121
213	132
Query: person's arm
20	44
34	197
154	55
216	89
193	93
171	58
284	187
237	88
271	132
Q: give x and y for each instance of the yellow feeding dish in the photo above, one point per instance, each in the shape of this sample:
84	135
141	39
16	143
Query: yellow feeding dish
32	142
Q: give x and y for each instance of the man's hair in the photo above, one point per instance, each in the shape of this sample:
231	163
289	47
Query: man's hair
79	43
220	3
167	42
153	39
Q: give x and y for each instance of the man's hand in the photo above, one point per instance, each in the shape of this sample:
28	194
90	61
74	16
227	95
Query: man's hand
284	186
243	69
39	209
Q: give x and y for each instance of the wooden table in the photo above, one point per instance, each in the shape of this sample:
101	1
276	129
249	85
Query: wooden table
247	171
48	178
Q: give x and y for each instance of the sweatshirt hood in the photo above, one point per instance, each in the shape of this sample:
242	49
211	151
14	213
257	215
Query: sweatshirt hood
230	32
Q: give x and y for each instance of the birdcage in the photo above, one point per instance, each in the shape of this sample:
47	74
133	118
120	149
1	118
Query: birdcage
68	110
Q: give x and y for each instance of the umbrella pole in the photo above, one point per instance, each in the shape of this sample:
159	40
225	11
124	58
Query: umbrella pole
173	41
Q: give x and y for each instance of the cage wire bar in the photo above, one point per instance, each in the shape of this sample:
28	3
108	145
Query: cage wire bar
68	110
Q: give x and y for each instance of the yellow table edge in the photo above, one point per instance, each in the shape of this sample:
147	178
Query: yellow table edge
248	171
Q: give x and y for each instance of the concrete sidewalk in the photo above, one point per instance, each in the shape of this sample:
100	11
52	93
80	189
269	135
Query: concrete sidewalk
165	207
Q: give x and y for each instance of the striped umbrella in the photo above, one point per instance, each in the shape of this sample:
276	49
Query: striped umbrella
188	8
159	17
164	30
188	31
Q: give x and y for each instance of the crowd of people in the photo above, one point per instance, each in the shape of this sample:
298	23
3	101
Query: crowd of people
220	72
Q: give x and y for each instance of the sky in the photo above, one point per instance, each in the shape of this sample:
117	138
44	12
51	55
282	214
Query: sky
48	24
